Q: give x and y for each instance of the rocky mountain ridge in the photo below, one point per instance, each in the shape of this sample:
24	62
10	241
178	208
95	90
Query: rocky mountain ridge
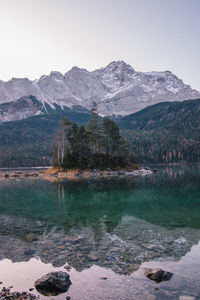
118	89
29	106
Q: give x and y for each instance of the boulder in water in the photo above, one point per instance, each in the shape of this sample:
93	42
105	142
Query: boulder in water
158	275
53	283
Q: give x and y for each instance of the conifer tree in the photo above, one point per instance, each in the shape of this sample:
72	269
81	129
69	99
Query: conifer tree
93	128
98	146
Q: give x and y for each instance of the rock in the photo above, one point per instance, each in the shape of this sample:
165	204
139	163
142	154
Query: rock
186	298
103	278
133	267
5	294
92	256
29	252
14	175
30	237
53	283
158	275
34	174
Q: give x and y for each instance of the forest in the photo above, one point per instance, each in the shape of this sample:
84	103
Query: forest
167	132
97	145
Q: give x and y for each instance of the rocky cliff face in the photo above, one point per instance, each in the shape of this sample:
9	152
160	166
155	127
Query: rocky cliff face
118	89
22	108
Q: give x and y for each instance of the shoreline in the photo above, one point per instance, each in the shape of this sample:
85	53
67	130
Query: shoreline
56	173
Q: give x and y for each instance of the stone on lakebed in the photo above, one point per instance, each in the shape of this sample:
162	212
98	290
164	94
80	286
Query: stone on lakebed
158	275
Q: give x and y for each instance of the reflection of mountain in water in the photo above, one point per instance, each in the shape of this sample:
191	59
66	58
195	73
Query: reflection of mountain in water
117	224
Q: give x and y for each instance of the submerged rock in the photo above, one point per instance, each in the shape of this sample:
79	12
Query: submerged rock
53	283
186	298
30	237
158	275
29	252
6	294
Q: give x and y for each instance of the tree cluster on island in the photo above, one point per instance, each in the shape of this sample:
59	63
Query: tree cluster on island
96	146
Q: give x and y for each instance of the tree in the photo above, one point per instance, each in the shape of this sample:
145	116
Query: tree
93	128
98	146
112	142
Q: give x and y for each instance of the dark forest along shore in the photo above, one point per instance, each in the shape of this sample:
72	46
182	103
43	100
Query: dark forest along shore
132	237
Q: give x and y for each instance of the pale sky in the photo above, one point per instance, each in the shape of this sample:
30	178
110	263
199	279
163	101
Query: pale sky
38	36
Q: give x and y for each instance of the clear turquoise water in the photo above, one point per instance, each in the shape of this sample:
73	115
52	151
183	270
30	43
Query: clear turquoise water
110	228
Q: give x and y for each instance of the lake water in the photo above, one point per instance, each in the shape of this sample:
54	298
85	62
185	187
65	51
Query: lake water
97	229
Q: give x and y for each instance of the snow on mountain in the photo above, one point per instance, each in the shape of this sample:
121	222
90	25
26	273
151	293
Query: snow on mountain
118	89
23	108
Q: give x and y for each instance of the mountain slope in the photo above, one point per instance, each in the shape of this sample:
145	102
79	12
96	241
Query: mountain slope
22	108
118	89
164	132
29	142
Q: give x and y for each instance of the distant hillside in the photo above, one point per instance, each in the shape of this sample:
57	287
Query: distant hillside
29	142
164	132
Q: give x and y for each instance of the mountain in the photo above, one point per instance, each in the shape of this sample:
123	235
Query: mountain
22	108
118	90
28	142
166	132
29	106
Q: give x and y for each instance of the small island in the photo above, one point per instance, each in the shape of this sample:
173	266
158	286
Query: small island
94	151
96	146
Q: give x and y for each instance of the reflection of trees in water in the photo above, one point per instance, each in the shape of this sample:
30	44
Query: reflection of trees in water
103	218
158	199
167	203
188	174
86	203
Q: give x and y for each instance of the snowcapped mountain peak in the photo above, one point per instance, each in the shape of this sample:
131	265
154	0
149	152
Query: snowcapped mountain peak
119	65
76	70
56	75
22	108
115	67
117	88
115	75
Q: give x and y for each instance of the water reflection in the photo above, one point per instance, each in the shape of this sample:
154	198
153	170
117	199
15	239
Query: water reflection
117	223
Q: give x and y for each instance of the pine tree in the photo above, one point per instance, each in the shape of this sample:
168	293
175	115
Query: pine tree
93	128
98	146
113	143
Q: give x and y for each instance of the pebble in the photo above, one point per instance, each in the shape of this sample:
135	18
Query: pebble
186	298
133	267
29	252
92	256
5	294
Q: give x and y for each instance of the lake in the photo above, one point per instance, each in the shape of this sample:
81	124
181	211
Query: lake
104	232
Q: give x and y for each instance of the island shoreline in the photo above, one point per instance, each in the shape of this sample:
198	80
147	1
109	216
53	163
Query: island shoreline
59	173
